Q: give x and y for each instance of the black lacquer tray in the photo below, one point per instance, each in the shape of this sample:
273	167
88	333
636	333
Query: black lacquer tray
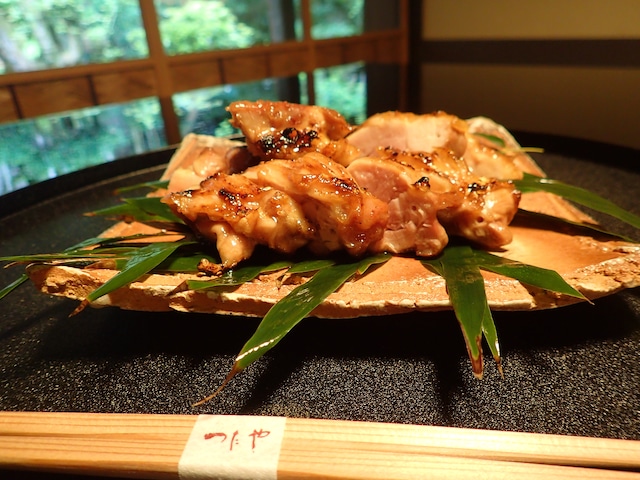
572	370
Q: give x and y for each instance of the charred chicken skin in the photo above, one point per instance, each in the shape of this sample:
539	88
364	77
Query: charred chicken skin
476	208
285	205
397	183
283	130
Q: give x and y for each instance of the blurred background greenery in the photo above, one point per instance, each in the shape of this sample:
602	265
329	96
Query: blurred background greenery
46	34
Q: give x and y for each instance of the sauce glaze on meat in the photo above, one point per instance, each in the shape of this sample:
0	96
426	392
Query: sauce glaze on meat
397	183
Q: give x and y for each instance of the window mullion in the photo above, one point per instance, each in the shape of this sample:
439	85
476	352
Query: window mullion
307	22
161	68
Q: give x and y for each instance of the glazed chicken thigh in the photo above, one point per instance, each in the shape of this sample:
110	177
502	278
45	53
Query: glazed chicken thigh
410	132
477	208
398	183
237	214
346	216
283	130
285	205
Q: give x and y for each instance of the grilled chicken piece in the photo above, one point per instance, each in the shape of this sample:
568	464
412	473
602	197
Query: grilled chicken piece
438	145
201	156
285	205
426	133
399	183
413	225
237	214
485	214
345	216
231	246
410	132
284	130
476	208
487	158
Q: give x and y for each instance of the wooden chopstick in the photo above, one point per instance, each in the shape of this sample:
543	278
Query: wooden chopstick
150	446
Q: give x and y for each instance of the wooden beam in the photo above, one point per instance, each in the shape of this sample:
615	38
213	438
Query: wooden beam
36	93
161	67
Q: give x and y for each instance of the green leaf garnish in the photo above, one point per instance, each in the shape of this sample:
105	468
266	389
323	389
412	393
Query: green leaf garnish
499	142
460	266
307	266
299	303
491	336
581	196
291	309
465	286
153	185
139	264
525	273
590	228
236	276
185	261
105	248
142	209
13	285
502	145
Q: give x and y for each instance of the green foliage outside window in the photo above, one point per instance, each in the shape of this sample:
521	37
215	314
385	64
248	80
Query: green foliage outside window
199	25
337	18
41	34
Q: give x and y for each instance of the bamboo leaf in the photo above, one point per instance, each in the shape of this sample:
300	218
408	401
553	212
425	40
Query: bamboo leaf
71	257
101	242
140	263
525	273
70	253
120	247
236	276
499	142
461	266
290	310
557	221
142	209
581	196
123	211
465	286
307	266
154	206
13	285
185	262
153	185
491	335
302	300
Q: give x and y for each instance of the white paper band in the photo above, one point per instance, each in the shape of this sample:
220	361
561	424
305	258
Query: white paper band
233	447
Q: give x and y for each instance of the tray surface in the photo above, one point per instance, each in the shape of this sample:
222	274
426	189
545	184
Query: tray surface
572	370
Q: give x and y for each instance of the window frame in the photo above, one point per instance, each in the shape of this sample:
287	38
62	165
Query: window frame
32	94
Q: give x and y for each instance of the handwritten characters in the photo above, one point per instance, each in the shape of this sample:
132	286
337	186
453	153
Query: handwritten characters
237	439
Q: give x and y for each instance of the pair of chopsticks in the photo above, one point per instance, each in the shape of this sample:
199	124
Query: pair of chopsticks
151	446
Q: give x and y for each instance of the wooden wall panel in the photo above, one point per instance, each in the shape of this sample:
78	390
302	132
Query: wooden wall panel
290	63
569	67
360	51
191	76
590	103
328	55
8	111
43	98
245	68
530	19
124	86
388	50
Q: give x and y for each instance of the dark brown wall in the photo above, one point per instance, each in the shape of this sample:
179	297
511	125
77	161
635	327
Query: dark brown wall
568	67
